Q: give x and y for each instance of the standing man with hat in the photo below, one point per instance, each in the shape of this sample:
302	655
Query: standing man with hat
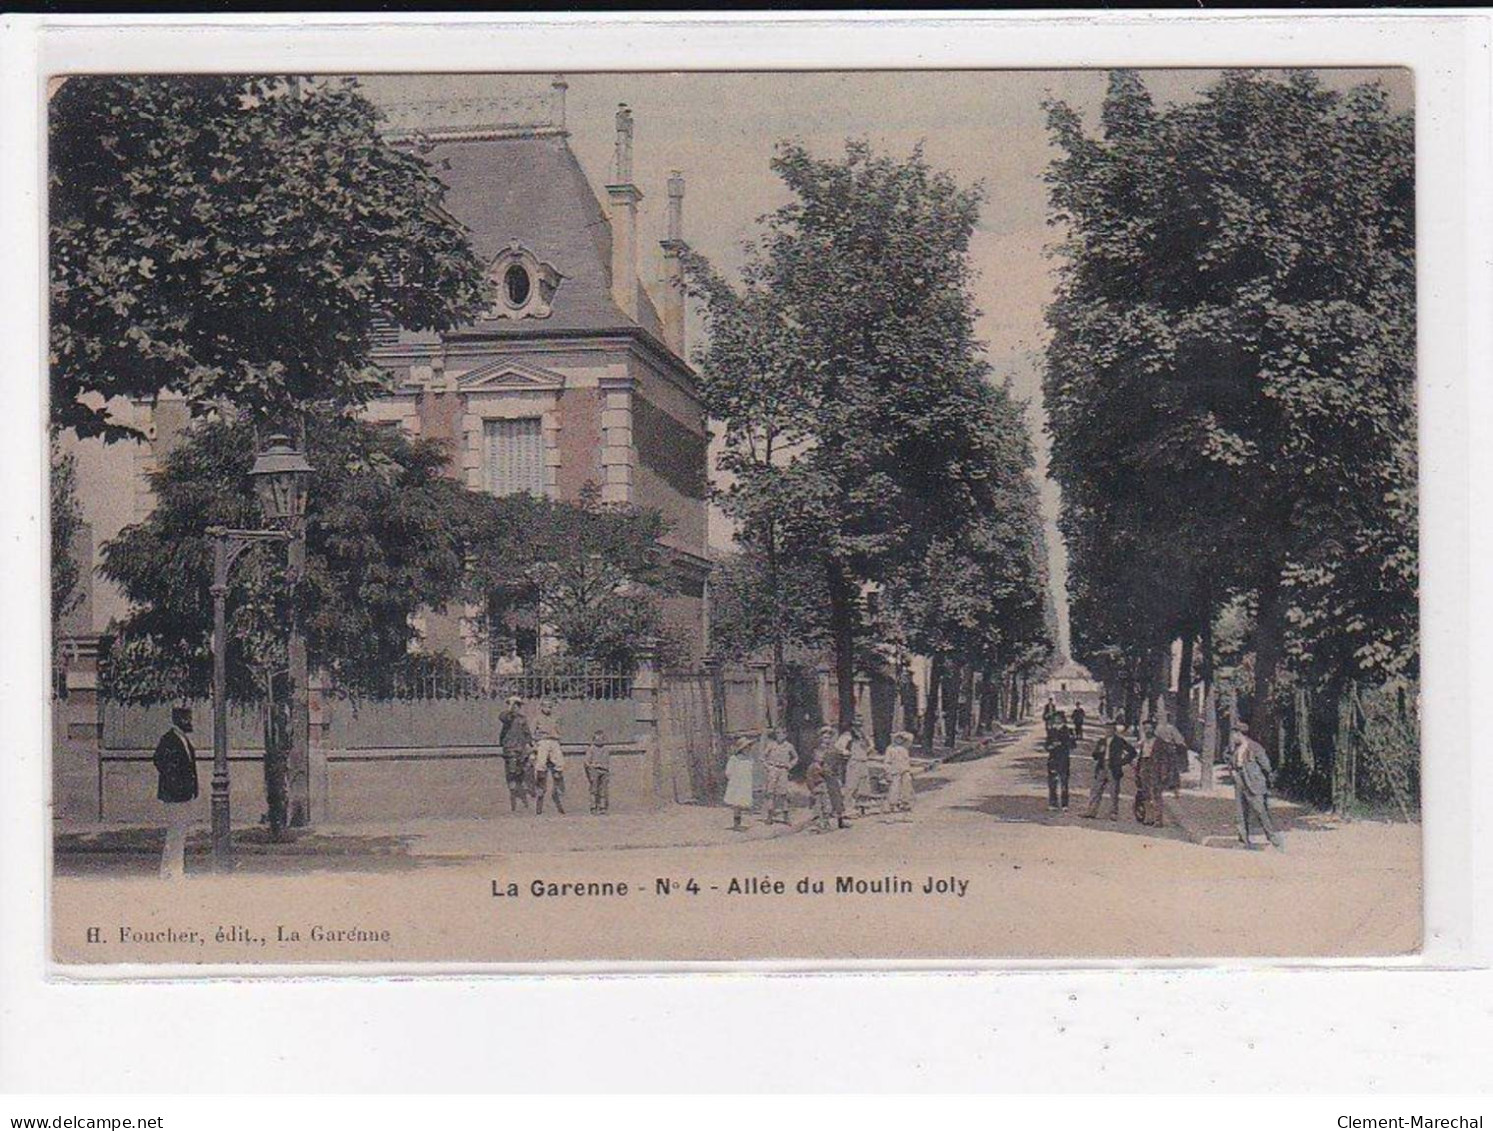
1111	755
176	769
1251	770
517	741
1060	743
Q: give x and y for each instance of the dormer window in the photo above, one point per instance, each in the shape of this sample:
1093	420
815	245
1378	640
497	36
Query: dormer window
524	286
516	285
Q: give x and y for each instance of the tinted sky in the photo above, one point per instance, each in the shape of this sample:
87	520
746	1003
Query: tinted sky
720	130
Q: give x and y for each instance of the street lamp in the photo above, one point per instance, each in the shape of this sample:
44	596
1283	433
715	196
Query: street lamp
282	478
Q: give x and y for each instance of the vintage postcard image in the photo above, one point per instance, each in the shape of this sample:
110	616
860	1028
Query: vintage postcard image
812	517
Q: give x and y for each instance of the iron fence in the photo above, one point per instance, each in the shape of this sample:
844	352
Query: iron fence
577	682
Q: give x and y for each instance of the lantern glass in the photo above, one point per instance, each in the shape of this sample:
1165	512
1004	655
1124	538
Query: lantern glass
281	480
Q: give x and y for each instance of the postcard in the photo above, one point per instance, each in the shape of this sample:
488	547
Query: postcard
733	516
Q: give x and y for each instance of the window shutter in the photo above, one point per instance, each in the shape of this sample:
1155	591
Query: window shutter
515	456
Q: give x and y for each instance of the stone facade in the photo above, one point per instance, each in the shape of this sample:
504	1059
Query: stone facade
573	341
574	344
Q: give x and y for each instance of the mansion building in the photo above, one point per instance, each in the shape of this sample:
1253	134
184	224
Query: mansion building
575	379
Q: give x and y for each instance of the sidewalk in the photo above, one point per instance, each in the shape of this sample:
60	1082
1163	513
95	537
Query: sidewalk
436	840
1211	818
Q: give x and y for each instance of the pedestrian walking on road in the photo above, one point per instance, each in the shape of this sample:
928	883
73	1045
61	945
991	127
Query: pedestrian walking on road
176	785
1174	762
858	789
1111	755
835	754
517	742
899	773
817	779
1151	763
740	767
598	767
1078	718
1060	743
778	757
1251	770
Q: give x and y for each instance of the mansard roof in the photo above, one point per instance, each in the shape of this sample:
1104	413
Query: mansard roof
526	187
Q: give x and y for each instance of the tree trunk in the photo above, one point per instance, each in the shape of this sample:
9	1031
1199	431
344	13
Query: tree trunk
276	761
779	667
1267	658
1210	706
298	757
988	691
966	719
950	705
1324	712
930	710
842	630
1184	689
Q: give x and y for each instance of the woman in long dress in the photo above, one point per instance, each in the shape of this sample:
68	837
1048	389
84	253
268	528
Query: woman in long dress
899	771
858	769
739	767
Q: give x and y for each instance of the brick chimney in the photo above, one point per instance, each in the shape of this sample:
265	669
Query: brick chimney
624	197
673	245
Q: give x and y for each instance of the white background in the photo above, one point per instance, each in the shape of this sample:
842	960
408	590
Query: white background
1427	1025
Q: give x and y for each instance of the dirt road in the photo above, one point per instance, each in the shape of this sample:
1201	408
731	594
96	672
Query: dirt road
980	870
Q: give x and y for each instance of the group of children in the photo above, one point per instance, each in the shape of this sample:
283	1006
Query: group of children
841	766
534	761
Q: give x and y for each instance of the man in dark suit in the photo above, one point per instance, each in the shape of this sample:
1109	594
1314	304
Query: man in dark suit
516	739
1078	718
176	785
1111	755
1060	744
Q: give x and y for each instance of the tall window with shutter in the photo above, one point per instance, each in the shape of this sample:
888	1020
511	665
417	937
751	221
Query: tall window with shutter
514	456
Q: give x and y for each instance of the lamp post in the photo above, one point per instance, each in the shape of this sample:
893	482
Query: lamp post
281	479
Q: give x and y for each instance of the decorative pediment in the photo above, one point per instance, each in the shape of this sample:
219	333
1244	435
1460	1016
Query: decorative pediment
510	376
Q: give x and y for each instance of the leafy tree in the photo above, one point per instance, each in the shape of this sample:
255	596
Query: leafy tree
756	606
386	533
1231	377
590	572
66	521
975	597
750	382
851	343
235	238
